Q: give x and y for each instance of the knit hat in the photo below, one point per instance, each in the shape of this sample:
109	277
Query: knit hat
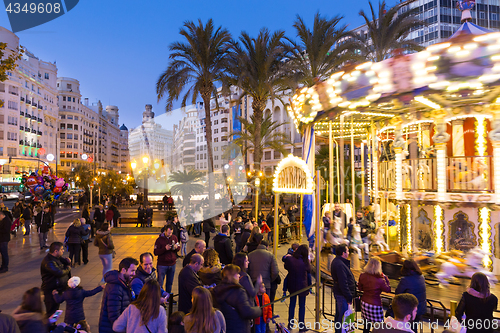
74	282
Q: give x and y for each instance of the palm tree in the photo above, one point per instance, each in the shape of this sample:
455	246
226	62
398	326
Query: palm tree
389	30
197	64
321	51
257	69
270	136
187	184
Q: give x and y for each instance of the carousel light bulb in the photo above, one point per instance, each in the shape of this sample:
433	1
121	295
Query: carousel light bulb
438	228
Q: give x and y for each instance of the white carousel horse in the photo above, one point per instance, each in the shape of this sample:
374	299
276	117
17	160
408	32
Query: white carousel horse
337	236
473	265
356	241
379	239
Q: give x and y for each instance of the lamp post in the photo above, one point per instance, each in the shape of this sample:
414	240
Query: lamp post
145	161
257	190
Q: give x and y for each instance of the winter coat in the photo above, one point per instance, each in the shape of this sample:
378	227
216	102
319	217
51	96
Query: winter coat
30	322
75	234
188	280
8	324
232	301
130	322
86	216
104	241
141	213
149	213
140	278
43	221
478	310
372	286
187	258
86	227
109	215
99	216
297	275
291	214
184	236
245	235
343	280
414	284
166	257
27	213
222	244
262	262
55	273
74	303
210	275
5	225
252	246
208	225
248	285
267	312
115	299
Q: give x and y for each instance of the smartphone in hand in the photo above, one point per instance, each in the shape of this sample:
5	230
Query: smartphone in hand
55	316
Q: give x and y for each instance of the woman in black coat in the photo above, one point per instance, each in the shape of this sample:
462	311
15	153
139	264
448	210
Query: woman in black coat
413	282
241	260
298	267
232	301
74	240
141	215
477	304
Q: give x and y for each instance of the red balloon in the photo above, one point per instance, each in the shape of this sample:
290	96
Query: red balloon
57	189
41	151
31	182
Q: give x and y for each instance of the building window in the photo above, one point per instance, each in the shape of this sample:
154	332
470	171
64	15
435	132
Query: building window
69	136
216	140
46	76
63	116
494	16
70	117
69	145
277	155
267	155
62	135
75	155
216	131
70	126
216	122
63	126
68	86
64	98
68	155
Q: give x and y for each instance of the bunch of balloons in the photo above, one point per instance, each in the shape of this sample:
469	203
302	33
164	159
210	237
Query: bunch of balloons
44	186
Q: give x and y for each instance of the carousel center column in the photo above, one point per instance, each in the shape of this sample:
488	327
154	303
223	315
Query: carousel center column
398	145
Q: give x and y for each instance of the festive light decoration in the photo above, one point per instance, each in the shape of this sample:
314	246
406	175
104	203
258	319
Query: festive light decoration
399	226
441	173
427	102
292	176
481	136
408	229
438	229
485	235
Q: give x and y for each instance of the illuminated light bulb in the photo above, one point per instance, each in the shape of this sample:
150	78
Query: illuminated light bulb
470	46
356	73
440	84
370	73
437	47
417	66
423	54
429	103
377	66
337	75
364	65
373	81
462	53
345	104
493	47
431	68
433	58
384	74
454	49
496	57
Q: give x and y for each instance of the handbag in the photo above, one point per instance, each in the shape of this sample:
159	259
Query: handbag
348	321
357	304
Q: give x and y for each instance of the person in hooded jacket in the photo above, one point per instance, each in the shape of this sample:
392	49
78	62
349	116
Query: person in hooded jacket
144	273
74	297
104	241
413	282
245	236
74	238
232	300
117	294
222	244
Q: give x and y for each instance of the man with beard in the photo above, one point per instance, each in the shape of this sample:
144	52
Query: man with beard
117	294
145	272
339	213
55	271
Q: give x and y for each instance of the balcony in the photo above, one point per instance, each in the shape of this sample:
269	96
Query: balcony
28	102
33	131
21	142
28	116
35	105
27	129
21	113
22	99
21	128
39	133
14	93
33	145
40	107
40	120
38	145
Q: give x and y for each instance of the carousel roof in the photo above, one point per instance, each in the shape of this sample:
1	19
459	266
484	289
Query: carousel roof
469	28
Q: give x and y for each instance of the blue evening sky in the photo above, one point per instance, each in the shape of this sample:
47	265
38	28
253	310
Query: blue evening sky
117	49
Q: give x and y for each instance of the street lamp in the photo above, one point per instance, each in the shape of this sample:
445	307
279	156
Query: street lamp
145	161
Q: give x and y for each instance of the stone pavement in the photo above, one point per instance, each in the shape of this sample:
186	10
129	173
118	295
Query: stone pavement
25	259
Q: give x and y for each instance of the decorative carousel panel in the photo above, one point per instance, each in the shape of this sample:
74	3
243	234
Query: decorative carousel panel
461	232
423	228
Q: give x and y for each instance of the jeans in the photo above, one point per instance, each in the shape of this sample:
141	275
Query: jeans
27	227
107	263
4	251
207	237
183	249
302	309
74	252
261	327
85	252
169	273
197	228
341	307
42	236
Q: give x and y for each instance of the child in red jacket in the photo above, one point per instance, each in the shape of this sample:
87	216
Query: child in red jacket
267	312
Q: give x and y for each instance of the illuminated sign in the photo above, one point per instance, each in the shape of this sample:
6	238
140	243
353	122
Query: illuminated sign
292	176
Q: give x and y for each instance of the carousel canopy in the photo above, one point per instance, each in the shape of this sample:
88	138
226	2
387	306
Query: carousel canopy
469	29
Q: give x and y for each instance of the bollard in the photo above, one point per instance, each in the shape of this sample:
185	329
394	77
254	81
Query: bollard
453	308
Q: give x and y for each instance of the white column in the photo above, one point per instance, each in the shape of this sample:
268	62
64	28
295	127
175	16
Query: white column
458	137
496	170
399	173
441	171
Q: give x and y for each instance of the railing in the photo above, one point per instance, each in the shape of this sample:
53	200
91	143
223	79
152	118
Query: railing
387	175
470	174
419	174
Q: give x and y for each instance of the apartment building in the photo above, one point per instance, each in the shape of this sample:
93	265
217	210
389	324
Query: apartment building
28	117
184	139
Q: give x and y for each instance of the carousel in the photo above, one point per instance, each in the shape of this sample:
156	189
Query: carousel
428	128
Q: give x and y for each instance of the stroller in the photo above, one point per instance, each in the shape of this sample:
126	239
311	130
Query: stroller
16	225
280	328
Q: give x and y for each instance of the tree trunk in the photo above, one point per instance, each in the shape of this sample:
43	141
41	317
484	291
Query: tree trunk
208	123
258	110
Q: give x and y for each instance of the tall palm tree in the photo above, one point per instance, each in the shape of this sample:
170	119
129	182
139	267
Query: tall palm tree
256	68
187	184
389	28
270	136
320	52
196	65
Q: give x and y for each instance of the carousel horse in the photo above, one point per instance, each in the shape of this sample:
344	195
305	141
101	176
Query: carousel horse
379	239
472	263
356	241
337	236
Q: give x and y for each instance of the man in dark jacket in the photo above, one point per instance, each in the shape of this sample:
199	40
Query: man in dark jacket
364	224
5	224
262	262
144	272
222	244
99	217
199	247
117	294
208	227
43	221
340	214
166	248
55	271
27	215
344	285
232	300
245	235
188	280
